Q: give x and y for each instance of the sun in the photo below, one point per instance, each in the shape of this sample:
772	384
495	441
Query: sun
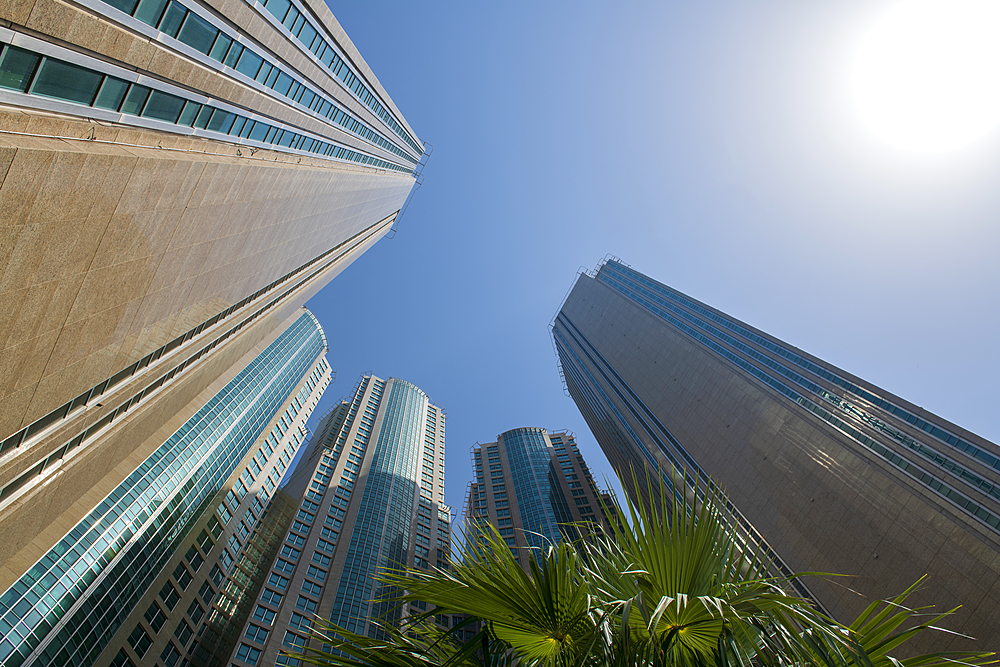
926	77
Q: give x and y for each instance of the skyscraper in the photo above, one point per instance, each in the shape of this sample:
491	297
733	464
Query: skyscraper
371	497
160	533
831	472
533	486
177	178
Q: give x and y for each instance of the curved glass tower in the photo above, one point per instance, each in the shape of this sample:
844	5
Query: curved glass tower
371	498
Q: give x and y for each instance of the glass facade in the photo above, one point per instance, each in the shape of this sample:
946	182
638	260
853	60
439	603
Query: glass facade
381	535
67	607
534	477
371	488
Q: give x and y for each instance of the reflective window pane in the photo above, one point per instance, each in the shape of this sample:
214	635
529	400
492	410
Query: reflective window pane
198	33
17	66
163	106
111	94
65	81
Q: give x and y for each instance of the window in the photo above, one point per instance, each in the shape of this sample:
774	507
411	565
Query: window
243	532
311	588
205	542
293	640
195	612
206	593
295	540
300	622
155	617
139	641
248	654
321	559
170	655
169	595
64	81
323	545
264	615
182	576
316	573
284	566
194	558
290	553
270	597
183	632
217	575
122	660
277	581
256	633
305	604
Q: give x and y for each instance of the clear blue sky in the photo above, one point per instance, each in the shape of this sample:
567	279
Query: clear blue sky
710	145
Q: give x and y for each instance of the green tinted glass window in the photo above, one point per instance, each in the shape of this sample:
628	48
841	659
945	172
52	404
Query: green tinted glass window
283	83
307	35
221	47
17	66
259	132
198	33
234	55
127	6
150	11
221	122
249	63
65	81
172	18
163	106
111	94
189	113
135	99
278	8
203	117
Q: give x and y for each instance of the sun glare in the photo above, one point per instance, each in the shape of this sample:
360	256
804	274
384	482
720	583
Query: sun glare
927	74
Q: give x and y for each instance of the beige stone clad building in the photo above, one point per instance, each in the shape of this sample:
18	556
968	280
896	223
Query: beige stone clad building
177	178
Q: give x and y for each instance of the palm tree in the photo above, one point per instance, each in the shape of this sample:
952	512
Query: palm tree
671	588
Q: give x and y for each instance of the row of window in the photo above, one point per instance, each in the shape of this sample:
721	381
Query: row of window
175	20
31	73
289	16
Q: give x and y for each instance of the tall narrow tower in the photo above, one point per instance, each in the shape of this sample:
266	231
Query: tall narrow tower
371	489
534	487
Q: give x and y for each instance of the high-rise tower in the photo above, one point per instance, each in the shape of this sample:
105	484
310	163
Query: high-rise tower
131	580
371	498
533	486
828	472
177	178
